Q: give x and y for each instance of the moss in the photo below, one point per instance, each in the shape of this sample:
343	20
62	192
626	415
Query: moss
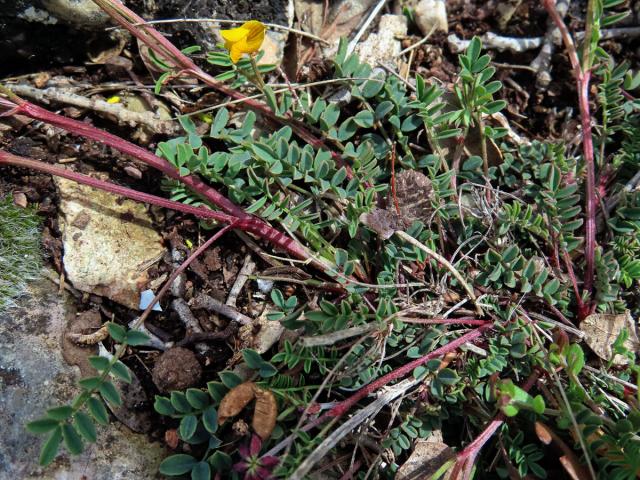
20	251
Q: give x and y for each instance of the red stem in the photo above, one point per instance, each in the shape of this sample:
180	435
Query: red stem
587	145
393	178
342	407
467	457
582	77
247	224
85	130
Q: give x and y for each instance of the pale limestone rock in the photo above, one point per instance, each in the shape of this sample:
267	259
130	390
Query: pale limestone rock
109	243
383	46
33	377
431	15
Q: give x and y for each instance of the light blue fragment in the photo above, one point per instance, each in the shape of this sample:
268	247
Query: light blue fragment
146	298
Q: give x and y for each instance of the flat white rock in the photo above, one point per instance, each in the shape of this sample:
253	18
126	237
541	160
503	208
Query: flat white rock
109	243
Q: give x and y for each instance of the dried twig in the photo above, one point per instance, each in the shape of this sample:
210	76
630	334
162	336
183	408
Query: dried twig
351	424
90	338
365	25
334	337
445	263
542	63
213	305
118	110
248	267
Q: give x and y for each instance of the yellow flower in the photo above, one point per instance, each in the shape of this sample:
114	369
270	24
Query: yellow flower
247	38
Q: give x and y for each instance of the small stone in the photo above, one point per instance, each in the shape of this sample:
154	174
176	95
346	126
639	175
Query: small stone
176	369
382	47
133	172
431	16
273	47
20	199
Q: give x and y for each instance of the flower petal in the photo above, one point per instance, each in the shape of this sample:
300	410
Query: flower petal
256	445
235	34
269	461
263	473
240	467
256	29
244	450
235	53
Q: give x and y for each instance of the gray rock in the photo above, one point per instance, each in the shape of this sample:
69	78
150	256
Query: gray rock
109	243
34	377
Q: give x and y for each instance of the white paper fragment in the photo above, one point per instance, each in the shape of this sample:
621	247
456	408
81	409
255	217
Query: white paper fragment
146	298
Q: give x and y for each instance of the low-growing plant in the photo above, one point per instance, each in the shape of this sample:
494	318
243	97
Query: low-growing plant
386	342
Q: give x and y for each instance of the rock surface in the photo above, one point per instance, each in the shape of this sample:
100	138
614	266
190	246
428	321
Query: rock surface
34	377
108	242
431	16
382	47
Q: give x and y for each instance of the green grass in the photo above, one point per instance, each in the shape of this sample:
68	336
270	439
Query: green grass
20	251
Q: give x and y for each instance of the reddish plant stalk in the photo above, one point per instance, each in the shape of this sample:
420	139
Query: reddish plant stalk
85	130
467	457
393	178
248	224
582	76
445	321
344	406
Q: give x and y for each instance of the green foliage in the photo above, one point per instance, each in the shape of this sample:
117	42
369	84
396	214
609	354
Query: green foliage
72	425
512	231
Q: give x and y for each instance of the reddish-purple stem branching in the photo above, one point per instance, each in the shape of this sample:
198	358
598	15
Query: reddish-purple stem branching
467	457
582	76
85	130
345	405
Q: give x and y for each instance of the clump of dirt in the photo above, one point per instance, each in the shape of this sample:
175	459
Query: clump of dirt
176	369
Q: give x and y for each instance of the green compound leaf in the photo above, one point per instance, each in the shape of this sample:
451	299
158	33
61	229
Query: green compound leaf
177	464
50	448
98	411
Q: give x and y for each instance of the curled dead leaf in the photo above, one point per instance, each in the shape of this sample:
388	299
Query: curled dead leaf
544	433
235	400
265	413
569	460
601	330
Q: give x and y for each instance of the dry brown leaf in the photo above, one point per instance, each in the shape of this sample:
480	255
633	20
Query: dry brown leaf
427	457
235	400
414	193
601	330
544	433
383	222
265	413
571	467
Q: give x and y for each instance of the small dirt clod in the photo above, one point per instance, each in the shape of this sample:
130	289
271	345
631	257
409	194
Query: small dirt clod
176	369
